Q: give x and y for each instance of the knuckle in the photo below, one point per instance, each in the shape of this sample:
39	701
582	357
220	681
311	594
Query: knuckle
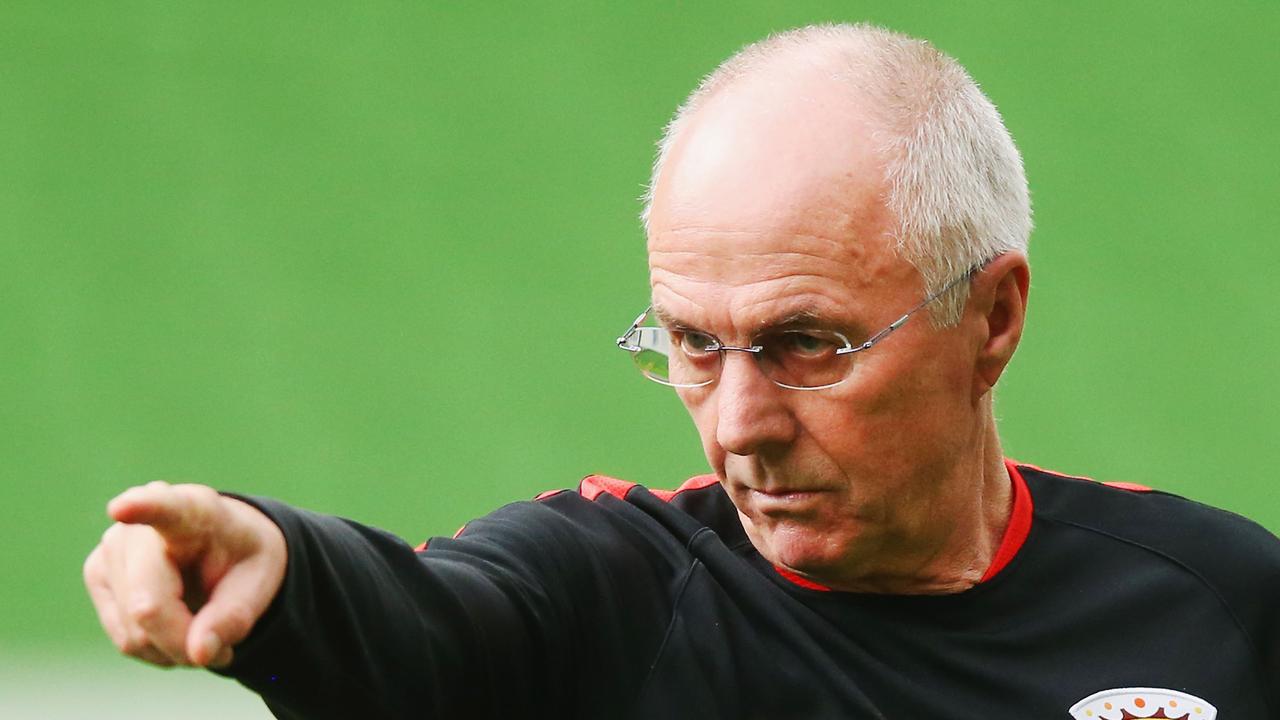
114	632
145	609
201	492
111	533
134	644
202	495
203	507
108	619
121	535
121	538
93	566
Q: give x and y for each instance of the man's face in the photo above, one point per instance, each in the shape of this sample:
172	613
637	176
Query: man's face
763	212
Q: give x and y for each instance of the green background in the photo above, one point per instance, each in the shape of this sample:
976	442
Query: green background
371	257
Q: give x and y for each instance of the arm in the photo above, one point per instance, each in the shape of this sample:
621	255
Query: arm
534	606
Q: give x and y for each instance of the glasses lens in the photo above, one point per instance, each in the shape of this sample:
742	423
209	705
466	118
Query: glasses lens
651	358
805	359
674	360
802	360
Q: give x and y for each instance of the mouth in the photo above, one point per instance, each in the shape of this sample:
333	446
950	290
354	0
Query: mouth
784	500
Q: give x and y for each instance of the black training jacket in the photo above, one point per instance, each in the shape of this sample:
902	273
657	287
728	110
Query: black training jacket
1105	603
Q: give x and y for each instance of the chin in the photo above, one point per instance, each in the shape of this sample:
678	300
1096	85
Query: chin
805	549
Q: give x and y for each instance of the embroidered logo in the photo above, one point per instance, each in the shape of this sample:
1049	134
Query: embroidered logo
1135	703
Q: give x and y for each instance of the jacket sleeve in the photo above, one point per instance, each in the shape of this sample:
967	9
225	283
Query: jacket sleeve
558	605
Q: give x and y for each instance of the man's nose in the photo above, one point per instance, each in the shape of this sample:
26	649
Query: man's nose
751	412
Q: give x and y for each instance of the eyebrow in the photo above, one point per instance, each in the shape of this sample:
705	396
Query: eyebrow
799	319
663	317
805	318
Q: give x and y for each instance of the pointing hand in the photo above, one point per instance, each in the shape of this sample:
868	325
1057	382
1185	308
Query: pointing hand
184	573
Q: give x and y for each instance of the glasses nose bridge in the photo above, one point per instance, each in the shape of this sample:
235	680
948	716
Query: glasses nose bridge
755	352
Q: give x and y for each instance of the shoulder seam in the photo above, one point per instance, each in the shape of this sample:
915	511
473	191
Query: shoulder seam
671	625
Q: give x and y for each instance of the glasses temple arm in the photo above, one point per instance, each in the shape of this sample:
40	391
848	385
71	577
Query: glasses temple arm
902	320
622	341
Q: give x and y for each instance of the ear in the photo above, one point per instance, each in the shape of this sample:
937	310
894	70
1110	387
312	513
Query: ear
998	297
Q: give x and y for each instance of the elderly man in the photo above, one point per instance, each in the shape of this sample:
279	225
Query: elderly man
837	229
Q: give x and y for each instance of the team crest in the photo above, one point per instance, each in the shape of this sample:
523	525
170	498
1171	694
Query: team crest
1136	703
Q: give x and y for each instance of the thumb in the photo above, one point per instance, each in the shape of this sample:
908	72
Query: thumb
242	593
233	608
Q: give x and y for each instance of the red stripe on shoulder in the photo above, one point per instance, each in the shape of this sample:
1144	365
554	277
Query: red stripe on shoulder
1037	468
1134	487
593	486
422	547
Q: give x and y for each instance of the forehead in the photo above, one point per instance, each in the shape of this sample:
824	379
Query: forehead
771	203
748	280
785	140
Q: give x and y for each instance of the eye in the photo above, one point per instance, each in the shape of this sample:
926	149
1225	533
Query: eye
696	343
807	344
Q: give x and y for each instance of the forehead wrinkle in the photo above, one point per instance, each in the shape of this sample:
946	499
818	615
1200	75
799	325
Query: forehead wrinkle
802	318
708	242
730	265
738	253
726	251
794	283
824	304
719	229
808	309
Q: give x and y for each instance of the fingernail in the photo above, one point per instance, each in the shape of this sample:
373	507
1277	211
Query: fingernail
211	645
223	659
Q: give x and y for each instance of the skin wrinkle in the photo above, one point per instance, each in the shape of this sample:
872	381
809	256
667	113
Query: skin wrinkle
776	276
793	287
834	308
805	318
725	261
833	242
743	255
744	331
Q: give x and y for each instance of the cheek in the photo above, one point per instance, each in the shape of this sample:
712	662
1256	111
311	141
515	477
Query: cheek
892	423
703	414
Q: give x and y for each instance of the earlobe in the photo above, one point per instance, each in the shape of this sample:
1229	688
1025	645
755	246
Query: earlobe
1001	291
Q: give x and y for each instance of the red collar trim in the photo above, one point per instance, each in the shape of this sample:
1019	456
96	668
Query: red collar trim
1015	533
797	580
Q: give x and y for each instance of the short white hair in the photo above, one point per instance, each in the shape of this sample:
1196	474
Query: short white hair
954	179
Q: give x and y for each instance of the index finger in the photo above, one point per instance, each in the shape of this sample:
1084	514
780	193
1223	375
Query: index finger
177	512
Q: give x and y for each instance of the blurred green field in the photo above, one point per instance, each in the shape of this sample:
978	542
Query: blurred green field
371	257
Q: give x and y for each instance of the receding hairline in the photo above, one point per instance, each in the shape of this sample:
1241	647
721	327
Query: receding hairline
955	185
845	52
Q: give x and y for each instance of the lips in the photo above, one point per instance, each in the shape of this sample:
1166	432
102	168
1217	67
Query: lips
779	491
783	500
784	492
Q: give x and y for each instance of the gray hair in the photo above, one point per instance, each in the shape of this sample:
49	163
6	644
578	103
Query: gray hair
954	178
